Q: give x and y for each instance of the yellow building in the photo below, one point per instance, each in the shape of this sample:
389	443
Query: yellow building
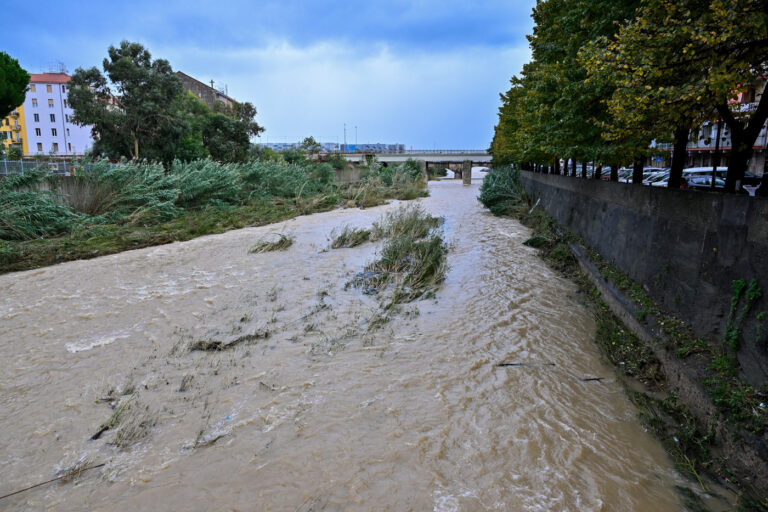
13	131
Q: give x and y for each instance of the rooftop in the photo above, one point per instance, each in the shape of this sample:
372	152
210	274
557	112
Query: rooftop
49	78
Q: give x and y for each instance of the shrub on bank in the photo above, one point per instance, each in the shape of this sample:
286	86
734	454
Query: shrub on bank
501	190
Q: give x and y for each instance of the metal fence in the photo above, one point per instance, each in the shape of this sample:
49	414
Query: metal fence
57	167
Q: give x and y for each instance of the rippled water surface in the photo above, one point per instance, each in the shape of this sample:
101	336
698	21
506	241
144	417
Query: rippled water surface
326	413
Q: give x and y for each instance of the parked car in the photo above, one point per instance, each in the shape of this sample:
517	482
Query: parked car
656	177
701	182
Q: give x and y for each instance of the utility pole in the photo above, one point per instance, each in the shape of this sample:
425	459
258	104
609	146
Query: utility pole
345	137
355	138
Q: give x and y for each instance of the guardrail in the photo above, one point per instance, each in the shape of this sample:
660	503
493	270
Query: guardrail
417	152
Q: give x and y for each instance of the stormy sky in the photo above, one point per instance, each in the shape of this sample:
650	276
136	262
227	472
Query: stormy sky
426	74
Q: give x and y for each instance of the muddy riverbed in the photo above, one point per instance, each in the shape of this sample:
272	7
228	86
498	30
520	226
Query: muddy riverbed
318	404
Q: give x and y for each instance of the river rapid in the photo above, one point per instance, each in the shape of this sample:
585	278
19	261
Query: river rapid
319	405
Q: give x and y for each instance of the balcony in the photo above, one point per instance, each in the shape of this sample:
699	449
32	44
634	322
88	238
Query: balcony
16	127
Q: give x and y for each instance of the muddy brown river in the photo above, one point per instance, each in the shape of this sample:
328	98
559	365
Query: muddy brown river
316	407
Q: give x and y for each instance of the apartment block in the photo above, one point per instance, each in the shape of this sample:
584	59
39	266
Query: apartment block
13	130
48	118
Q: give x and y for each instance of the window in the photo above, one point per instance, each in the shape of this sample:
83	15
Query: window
34	102
53	131
50	102
65	104
67	132
37	118
53	118
38	132
7	122
48	88
39	147
31	87
69	146
63	88
55	147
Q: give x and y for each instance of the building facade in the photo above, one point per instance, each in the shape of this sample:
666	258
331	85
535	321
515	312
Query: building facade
13	131
48	118
206	93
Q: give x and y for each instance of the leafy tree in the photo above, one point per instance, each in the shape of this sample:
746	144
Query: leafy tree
310	146
553	108
225	138
243	112
131	106
13	84
680	60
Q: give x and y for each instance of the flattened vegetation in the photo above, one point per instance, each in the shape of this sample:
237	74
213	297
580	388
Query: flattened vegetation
270	243
349	237
413	257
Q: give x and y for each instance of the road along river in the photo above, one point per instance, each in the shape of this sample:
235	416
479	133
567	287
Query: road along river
311	408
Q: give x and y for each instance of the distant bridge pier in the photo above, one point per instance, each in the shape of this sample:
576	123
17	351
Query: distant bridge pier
466	172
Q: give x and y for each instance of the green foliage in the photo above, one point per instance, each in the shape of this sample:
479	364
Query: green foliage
294	156
13	84
138	109
15	153
27	214
205	183
501	190
337	161
349	237
130	106
310	146
412	258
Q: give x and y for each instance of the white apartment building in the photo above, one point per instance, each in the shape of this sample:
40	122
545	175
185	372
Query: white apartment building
49	125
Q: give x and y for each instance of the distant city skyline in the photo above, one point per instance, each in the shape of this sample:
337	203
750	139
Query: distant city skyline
424	74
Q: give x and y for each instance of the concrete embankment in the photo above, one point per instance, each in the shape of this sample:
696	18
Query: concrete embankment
688	251
686	248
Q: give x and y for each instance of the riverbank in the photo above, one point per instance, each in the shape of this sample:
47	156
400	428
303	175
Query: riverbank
688	391
122	208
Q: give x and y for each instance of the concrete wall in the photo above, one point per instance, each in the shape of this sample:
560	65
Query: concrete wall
685	247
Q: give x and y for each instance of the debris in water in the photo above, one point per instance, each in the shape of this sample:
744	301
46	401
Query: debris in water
217	346
504	365
263	245
592	379
185	382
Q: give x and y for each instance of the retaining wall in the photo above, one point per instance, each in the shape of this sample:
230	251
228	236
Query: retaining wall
685	247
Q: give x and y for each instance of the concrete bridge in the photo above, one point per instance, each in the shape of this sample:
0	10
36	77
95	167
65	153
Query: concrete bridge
458	161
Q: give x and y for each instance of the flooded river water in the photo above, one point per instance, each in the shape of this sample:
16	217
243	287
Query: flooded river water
314	409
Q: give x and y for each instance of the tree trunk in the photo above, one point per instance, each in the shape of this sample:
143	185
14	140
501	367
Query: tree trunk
679	155
135	144
599	172
637	171
584	170
740	155
557	165
742	140
614	172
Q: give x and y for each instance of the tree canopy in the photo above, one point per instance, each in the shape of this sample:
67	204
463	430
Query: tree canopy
13	84
138	109
608	77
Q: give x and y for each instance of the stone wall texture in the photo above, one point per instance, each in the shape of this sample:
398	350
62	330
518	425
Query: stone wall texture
685	247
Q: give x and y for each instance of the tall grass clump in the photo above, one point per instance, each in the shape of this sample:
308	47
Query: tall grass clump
27	213
413	257
205	183
134	193
349	237
410	221
501	190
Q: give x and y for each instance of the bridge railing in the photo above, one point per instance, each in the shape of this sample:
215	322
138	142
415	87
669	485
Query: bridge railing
417	152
